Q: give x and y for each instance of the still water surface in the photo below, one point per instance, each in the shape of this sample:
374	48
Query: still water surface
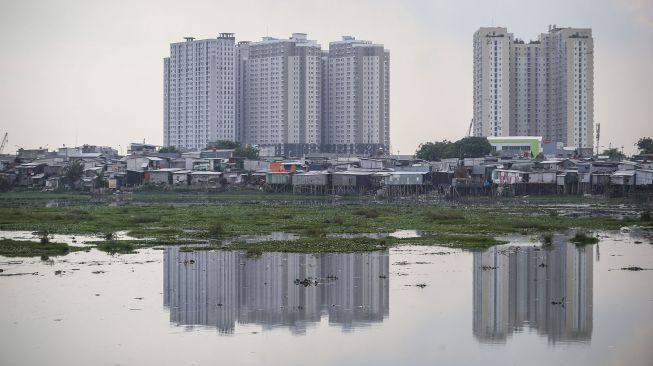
511	304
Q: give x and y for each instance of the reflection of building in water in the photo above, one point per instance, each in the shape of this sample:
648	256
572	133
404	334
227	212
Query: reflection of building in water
547	290
220	288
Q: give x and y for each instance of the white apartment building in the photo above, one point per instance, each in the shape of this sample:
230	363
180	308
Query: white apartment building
283	94
357	104
492	77
242	55
199	93
570	85
541	88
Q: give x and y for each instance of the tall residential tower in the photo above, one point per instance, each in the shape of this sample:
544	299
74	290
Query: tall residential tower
283	94
357	104
199	100
287	95
541	88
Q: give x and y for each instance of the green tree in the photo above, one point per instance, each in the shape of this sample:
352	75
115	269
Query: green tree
434	150
222	145
74	171
169	149
645	145
614	154
240	151
248	152
473	147
468	147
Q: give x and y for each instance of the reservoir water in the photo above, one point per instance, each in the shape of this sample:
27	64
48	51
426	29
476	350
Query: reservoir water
518	303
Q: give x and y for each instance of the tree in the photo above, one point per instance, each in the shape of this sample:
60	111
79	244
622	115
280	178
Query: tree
240	151
169	149
645	145
614	154
473	147
74	171
223	145
248	152
468	147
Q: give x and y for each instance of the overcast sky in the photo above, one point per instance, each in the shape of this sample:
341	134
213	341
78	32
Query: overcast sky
74	72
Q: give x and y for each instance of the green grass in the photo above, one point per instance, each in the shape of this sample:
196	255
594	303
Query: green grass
116	247
456	241
195	220
25	248
345	245
457	224
646	215
547	239
583	239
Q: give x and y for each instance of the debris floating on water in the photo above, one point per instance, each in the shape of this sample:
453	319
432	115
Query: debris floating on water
632	268
306	282
19	274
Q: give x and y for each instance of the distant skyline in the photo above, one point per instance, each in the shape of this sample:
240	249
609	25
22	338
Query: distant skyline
77	72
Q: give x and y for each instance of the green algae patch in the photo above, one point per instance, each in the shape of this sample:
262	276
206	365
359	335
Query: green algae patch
583	239
455	241
347	245
116	247
26	248
314	245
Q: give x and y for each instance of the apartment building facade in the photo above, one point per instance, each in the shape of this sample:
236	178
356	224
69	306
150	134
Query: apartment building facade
199	92
282	96
357	101
541	88
288	94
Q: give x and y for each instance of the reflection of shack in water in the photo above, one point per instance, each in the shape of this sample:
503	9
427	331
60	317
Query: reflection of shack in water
220	288
549	290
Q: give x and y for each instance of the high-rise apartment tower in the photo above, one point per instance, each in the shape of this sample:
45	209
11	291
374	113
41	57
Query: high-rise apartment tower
541	88
357	104
199	92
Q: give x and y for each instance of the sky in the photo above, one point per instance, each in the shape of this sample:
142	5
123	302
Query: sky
91	72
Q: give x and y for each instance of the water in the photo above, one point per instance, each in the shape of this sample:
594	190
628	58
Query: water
74	240
512	304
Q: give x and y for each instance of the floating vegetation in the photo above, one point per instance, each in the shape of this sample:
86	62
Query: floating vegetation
216	229
646	215
370	213
26	248
116	247
546	239
463	227
582	239
444	216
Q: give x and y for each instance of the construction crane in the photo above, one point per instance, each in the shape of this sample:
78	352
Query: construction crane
4	142
469	130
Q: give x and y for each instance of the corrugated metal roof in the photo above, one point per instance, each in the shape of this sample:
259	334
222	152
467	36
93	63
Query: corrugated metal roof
624	173
165	170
